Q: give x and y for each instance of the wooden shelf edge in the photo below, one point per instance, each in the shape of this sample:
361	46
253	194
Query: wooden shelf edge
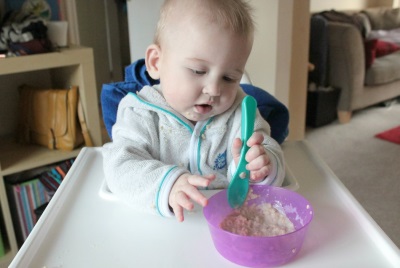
57	59
16	157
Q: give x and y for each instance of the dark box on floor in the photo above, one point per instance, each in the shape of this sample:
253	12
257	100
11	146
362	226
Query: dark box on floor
322	106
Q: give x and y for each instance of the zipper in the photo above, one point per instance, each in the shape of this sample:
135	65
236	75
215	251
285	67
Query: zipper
195	146
196	135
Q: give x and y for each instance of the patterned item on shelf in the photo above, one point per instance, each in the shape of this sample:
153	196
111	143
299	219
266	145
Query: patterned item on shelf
27	195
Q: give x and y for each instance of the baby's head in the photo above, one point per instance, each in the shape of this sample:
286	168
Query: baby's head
199	53
234	15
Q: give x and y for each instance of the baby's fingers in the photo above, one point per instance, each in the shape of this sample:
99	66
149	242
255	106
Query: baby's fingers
193	193
259	175
183	200
256	138
178	211
236	149
201	181
196	196
255	152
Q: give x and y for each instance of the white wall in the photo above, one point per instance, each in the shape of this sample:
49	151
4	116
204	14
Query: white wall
142	21
262	61
319	5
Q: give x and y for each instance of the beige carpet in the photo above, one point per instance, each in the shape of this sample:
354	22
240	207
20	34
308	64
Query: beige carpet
369	167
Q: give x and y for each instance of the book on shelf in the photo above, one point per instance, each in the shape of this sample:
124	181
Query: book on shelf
26	197
28	193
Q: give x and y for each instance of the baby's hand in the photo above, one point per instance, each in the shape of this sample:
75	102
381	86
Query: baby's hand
257	158
184	191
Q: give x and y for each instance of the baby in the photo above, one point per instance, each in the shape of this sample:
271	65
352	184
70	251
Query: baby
172	139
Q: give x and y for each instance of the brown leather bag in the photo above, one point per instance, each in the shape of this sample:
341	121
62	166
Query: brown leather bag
49	117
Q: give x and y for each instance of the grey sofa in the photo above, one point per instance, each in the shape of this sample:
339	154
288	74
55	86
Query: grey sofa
361	86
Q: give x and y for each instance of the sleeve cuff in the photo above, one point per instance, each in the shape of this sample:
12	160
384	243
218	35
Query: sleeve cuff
162	197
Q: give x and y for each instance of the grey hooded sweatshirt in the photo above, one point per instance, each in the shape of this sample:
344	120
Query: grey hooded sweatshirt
153	145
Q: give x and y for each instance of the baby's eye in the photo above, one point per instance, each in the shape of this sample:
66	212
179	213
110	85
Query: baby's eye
198	72
229	79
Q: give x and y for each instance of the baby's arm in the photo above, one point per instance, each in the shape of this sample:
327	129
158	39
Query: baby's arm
185	190
132	167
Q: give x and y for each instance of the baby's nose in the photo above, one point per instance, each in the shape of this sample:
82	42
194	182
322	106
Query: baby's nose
212	89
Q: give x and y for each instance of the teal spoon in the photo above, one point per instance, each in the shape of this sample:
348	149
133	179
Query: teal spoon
239	185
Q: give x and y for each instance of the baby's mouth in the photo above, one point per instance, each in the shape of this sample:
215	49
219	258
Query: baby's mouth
203	108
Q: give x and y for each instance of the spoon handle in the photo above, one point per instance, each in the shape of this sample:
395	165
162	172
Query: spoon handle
239	185
249	107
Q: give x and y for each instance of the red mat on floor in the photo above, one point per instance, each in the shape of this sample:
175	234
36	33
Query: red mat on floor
392	135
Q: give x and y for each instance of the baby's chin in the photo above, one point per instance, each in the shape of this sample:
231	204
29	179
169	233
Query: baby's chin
196	117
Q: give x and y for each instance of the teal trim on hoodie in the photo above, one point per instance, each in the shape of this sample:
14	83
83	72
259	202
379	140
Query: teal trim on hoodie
159	189
165	111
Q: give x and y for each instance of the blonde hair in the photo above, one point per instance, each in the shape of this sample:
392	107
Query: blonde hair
235	15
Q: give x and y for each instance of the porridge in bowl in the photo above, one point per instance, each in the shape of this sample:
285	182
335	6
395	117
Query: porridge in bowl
257	220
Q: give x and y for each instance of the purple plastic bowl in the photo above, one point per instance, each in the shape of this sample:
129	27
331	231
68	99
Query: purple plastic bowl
264	251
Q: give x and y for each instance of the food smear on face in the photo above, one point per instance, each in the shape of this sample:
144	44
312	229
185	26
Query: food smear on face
257	220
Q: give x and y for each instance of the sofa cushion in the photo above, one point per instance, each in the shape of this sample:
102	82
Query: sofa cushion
383	18
392	35
384	70
366	24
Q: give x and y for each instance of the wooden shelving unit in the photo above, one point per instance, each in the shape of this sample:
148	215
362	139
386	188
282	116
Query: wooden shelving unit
72	66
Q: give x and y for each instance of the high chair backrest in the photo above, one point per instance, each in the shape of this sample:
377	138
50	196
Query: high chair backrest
136	77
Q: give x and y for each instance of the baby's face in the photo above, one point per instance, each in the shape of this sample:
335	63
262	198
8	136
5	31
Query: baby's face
200	68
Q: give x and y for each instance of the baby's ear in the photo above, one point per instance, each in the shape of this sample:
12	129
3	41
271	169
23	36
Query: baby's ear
153	54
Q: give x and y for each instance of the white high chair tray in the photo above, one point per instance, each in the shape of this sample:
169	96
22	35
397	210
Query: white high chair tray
85	226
